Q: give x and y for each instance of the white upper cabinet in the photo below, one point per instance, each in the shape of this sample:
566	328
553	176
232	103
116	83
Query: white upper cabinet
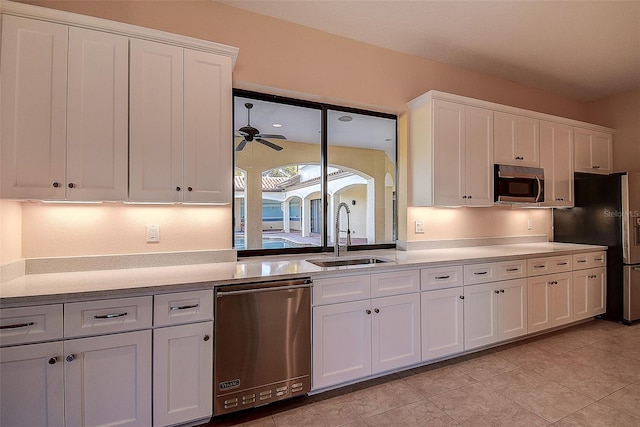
556	158
516	140
181	125
450	163
207	127
156	122
65	94
593	151
34	97
97	122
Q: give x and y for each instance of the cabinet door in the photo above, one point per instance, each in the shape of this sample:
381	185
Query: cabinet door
538	299
108	380
442	322
593	151
588	293
561	300
182	373
449	153
601	152
156	122
512	309
556	158
341	343
478	161
33	102
480	315
395	332
98	122
208	132
32	384
515	140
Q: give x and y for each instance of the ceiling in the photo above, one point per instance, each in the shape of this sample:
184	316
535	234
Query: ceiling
585	50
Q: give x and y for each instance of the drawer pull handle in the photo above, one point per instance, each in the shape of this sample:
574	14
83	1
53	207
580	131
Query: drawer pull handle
538	266
598	259
561	263
18	325
582	260
513	269
110	316
184	307
442	277
480	273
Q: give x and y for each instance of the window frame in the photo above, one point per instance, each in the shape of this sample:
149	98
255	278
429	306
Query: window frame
324	149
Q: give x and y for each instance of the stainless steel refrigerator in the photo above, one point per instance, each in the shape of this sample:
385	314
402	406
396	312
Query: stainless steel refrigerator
607	212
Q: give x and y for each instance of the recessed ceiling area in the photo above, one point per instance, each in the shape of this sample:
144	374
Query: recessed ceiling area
585	50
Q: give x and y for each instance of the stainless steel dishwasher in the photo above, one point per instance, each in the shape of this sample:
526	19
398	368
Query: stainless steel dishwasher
262	343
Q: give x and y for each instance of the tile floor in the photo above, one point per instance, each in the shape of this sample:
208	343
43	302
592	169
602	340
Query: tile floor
585	375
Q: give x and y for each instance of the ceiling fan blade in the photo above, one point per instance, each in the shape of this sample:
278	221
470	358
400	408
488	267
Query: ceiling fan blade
240	146
269	144
271	136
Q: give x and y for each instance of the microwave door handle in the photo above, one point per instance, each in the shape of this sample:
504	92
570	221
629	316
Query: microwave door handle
539	188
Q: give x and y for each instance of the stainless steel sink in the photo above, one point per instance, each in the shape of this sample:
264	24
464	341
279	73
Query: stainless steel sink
342	262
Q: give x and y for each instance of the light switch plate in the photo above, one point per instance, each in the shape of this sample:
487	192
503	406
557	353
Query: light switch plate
419	226
153	233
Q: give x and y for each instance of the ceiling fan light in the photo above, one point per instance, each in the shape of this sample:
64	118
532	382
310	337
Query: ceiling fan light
277	125
345	118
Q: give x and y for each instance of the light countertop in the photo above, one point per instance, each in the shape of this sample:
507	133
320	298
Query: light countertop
61	287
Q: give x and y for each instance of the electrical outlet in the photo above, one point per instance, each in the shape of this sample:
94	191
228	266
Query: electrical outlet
153	233
529	224
419	226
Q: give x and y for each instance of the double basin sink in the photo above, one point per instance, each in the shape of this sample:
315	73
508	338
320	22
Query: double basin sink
344	262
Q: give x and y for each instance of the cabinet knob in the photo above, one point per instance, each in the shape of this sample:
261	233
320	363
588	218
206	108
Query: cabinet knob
56	184
178	188
71	185
461	296
206	337
190	188
464	197
496	291
53	360
377	310
70	358
502	291
468	197
368	311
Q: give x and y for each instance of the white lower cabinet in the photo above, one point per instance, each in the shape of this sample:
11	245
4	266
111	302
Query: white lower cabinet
549	301
32	385
589	293
356	339
494	312
108	380
182	373
442	322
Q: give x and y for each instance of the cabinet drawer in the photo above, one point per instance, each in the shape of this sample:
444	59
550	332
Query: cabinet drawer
441	277
589	260
107	316
182	307
549	265
480	273
512	269
30	324
341	289
395	283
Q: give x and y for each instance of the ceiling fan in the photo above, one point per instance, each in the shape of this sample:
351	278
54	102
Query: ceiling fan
252	134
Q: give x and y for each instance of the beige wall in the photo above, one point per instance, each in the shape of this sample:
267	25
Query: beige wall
621	112
10	231
288	59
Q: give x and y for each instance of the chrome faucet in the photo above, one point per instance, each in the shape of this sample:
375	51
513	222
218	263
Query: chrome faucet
336	237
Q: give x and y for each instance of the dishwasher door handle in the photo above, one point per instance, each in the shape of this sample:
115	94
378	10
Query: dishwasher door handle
259	290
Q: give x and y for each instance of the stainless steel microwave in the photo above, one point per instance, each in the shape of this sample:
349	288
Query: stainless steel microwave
518	184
